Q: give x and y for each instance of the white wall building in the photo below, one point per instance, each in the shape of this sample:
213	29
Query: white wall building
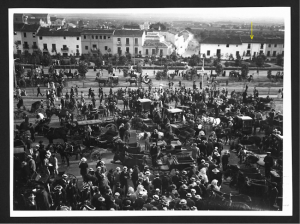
18	44
212	46
252	47
93	40
274	47
130	41
29	37
63	41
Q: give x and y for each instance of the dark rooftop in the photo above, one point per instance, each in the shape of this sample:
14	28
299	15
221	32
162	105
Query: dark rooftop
30	28
18	26
71	32
97	31
275	41
154	43
131	27
256	39
127	33
222	40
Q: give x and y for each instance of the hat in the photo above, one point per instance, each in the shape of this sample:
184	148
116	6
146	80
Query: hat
157	175
155	197
91	169
184	187
216	154
188	195
198	196
226	152
268	152
157	189
184	172
102	162
215	170
183	202
192	179
83	159
58	188
64	176
29	156
118	168
101	199
193	190
147	172
125	168
117	194
202	161
98	168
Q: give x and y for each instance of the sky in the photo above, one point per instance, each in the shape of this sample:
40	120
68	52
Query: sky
271	14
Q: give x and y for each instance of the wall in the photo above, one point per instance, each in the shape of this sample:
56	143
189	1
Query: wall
131	45
254	48
232	49
18	37
279	49
59	41
29	39
100	43
181	42
166	51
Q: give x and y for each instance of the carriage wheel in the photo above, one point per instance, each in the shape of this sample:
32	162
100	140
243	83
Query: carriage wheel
112	127
41	111
80	118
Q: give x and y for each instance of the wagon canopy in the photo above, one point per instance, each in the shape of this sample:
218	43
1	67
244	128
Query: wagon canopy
89	122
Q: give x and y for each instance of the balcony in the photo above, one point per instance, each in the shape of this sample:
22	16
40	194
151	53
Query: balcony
127	44
64	49
94	50
119	43
34	47
45	50
136	44
25	46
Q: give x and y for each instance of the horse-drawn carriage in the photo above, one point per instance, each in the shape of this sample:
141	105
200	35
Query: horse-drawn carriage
145	107
244	124
113	80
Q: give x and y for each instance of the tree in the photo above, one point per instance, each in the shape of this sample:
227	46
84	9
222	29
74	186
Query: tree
51	69
153	58
279	59
58	56
72	60
98	62
238	60
19	69
128	56
115	59
83	68
260	60
139	67
245	70
122	60
110	68
219	68
47	60
226	64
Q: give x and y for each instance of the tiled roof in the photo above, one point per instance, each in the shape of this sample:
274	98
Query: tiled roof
131	27
127	33
97	31
222	40
256	39
275	41
154	43
30	28
53	18
71	32
18	27
37	15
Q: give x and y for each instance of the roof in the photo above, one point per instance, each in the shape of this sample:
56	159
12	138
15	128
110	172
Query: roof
97	31
89	122
30	28
37	15
256	39
244	117
71	32
184	31
154	43
131	27
175	110
127	33
144	100
18	27
275	41
52	18
222	40
33	20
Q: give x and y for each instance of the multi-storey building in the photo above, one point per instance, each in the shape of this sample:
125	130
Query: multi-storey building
64	41
128	41
41	19
93	40
182	40
18	46
252	47
274	46
29	37
225	46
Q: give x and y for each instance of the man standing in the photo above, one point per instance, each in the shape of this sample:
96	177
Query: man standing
39	91
225	159
268	164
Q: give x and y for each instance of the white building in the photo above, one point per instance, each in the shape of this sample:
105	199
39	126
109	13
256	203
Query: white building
18	44
93	40
225	46
156	47
252	47
145	26
57	22
130	41
182	40
274	46
29	37
168	35
64	41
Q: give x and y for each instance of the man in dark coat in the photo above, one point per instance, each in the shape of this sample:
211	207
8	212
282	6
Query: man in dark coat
123	178
139	202
268	164
20	103
157	182
225	160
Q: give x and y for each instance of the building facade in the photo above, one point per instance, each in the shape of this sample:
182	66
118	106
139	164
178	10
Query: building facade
128	41
57	22
157	48
41	19
274	47
93	40
18	43
29	37
64	41
225	46
252	47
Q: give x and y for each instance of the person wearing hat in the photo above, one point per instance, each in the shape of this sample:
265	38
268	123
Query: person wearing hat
59	196
153	153
225	160
139	202
123	179
83	166
30	203
213	186
183	190
157	182
268	164
72	194
182	205
176	179
116	177
195	151
155	202
190	202
31	165
216	174
127	206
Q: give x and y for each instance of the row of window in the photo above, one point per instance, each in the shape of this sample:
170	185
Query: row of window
248	53
94	47
45	46
136	41
96	37
41	38
136	50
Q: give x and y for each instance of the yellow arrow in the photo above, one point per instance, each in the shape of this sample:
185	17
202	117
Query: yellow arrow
251	36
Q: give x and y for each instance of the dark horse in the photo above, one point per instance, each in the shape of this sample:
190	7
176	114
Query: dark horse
56	133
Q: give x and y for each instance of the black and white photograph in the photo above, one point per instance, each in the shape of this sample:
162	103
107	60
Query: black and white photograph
150	112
